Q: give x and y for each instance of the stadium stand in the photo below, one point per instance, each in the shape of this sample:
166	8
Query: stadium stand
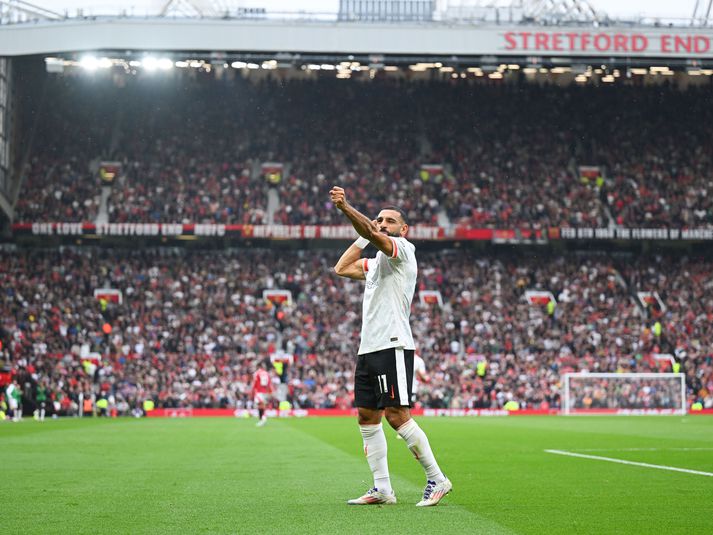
246	151
190	325
515	163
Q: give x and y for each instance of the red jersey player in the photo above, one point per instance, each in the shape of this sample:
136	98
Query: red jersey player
261	390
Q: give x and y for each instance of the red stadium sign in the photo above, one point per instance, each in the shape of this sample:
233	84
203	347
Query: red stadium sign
431	170
430	297
651	299
272	171
589	173
189	412
277	297
346	232
111	295
539	298
583	42
301	413
108	171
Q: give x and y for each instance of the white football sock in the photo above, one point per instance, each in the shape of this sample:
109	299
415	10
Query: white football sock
417	442
375	451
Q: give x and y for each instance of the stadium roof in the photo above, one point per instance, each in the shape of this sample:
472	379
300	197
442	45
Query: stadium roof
680	12
397	30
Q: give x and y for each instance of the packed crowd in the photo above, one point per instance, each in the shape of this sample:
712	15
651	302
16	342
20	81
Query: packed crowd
190	326
66	139
192	152
605	393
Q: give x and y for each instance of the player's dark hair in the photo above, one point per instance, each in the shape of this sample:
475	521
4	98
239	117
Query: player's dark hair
399	210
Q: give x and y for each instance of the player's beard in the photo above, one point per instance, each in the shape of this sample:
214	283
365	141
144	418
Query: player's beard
393	234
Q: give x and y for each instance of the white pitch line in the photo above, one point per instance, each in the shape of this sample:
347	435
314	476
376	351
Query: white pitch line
633	463
644	449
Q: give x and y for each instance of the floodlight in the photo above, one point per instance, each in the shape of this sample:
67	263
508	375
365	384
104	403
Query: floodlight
54	65
150	63
89	63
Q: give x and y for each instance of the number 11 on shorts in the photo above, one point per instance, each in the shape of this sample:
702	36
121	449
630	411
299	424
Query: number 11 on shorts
383	387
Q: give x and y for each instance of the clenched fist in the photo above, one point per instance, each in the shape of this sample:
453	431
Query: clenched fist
337	196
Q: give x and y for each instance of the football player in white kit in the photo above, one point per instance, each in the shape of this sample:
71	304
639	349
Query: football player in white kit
383	378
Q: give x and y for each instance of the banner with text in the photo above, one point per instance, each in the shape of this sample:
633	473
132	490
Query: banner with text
620	233
168	230
346	232
632	42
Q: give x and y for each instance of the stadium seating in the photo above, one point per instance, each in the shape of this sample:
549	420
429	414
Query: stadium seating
190	325
509	154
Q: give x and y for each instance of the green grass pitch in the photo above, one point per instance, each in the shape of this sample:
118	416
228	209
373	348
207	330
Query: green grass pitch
221	475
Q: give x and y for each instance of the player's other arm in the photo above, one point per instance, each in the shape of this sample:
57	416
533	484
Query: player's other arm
351	265
365	227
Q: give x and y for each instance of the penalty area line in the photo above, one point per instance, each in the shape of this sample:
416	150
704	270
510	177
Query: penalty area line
632	463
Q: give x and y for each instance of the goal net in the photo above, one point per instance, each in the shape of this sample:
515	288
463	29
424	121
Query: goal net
624	393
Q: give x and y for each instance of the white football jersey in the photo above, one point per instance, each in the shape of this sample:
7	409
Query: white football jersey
388	292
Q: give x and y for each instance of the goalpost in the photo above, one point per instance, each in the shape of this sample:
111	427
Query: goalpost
624	393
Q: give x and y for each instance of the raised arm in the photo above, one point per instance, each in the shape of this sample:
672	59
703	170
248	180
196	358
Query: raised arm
365	227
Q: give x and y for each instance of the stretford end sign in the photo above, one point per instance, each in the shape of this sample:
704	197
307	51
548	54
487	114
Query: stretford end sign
593	42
